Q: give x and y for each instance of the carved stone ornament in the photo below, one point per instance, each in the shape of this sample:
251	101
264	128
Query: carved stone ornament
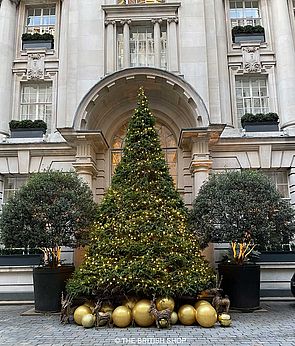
251	60
35	67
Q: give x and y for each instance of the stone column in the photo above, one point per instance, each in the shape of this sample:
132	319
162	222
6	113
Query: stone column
173	64
157	41
200	171
110	46
126	42
292	185
7	44
285	61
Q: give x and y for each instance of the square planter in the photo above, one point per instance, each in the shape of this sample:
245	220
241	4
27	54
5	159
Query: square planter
261	126
277	256
20	260
38	44
244	37
27	133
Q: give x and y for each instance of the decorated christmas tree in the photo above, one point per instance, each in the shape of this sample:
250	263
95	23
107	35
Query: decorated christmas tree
142	243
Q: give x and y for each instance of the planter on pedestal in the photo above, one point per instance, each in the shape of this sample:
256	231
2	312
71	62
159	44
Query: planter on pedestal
49	283
242	284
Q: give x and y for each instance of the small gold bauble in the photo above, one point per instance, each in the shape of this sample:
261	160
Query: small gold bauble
174	317
80	312
107	307
165	303
163	323
122	316
187	314
141	313
224	320
88	321
206	315
130	302
201	302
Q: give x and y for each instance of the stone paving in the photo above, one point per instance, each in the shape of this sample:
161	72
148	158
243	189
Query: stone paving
273	327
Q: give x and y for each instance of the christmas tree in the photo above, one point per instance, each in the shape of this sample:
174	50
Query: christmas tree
142	243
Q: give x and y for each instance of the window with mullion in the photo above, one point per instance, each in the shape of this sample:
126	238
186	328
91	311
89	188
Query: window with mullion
280	180
251	96
41	20
245	12
36	102
12	184
142	51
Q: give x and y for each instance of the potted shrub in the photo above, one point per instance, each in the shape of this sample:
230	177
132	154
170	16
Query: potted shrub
244	209
53	209
37	40
248	33
27	128
260	122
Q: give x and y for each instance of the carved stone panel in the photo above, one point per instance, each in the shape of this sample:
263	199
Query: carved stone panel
35	66
251	60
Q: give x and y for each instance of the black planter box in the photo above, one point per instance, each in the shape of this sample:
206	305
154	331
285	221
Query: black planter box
20	260
49	283
293	285
277	256
242	284
38	44
246	37
265	126
27	133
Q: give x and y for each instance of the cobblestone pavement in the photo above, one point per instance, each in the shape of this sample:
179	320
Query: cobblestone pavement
273	327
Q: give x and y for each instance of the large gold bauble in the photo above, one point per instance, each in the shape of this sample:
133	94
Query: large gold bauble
88	321
80	312
206	315
130	302
224	320
201	302
165	303
174	317
187	314
107	307
141	313
122	316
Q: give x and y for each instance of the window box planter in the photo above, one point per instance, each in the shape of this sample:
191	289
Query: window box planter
248	33
20	260
277	256
264	126
37	41
27	133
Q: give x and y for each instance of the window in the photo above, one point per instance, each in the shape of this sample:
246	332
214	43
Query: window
132	2
41	20
168	143
280	180
36	102
251	96
12	184
244	12
142	50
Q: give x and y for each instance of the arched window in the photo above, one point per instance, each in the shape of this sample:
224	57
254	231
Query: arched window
168	143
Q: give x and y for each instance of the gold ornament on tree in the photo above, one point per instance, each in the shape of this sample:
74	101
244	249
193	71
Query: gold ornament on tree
165	303
206	315
88	321
122	316
141	313
187	315
80	312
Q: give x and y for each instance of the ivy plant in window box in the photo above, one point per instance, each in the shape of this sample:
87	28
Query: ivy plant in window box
260	122
248	33
27	128
37	40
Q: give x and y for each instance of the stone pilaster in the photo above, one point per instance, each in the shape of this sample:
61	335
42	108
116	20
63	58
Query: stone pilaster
200	171
157	41
173	59
126	42
292	185
285	61
7	44
110	46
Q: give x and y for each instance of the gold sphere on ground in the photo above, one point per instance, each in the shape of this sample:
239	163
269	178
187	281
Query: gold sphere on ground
174	317
122	316
88	321
165	303
224	320
187	315
206	315
80	312
141	313
130	302
201	302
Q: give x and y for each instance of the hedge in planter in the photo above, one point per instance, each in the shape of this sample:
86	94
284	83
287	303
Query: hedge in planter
53	209
260	122
248	33
37	40
27	128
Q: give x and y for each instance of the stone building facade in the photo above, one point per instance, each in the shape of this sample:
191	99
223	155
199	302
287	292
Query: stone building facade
198	80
